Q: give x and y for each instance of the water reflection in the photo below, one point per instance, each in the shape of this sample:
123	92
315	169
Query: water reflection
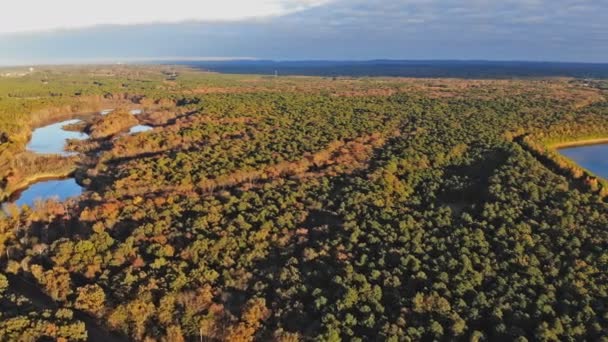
51	139
58	189
140	128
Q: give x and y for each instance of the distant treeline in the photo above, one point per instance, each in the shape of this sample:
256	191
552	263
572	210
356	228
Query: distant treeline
398	68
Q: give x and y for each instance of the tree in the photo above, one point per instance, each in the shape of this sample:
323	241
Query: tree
3	284
254	313
91	298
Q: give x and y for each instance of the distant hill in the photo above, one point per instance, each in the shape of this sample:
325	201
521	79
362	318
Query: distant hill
402	68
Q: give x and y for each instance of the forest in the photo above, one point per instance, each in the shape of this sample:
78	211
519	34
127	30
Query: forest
405	68
304	209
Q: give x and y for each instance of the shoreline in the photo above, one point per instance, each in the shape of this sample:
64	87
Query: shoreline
579	143
8	192
8	195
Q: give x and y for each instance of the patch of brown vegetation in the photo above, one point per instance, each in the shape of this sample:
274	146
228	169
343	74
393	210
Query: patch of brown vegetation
339	157
112	123
169	139
227	90
215	120
367	92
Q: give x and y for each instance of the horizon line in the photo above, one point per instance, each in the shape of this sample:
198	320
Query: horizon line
178	59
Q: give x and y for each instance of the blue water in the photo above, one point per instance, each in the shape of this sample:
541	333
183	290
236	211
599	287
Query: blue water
51	139
55	189
139	129
132	112
593	158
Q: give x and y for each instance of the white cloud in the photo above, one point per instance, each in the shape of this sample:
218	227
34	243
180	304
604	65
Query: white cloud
40	15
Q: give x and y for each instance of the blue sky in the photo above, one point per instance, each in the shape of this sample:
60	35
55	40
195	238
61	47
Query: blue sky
556	30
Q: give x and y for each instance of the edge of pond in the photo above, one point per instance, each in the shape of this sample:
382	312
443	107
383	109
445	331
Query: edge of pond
578	143
33	179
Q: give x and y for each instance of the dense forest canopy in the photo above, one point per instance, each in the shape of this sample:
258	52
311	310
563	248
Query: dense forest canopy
304	208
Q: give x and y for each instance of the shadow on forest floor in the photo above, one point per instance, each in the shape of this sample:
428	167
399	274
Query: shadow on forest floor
41	301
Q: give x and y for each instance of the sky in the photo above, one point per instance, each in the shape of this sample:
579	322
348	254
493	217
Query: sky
35	31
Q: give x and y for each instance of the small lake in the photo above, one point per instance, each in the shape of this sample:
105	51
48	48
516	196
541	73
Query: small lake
593	158
132	111
140	128
51	139
61	190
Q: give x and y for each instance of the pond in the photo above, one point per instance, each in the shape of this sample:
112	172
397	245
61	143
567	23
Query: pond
592	157
140	128
51	139
60	189
132	111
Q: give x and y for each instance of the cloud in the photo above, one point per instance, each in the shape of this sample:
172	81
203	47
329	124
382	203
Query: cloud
569	30
37	15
